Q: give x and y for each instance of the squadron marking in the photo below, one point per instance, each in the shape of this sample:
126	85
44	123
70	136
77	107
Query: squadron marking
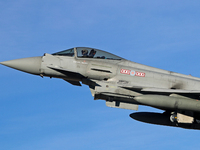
132	72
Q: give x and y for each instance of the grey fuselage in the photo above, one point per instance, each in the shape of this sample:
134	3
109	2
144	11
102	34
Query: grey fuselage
121	83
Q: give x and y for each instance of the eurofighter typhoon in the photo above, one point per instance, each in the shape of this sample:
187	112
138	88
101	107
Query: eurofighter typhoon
123	84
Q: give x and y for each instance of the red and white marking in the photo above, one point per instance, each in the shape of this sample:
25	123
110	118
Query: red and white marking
140	74
125	71
132	72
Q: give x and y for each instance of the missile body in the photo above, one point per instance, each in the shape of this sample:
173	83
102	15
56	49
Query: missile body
168	102
162	119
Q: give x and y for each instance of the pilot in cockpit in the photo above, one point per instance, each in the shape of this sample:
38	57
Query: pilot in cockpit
92	53
84	53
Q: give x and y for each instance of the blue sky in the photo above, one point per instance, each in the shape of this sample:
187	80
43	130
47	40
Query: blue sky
42	114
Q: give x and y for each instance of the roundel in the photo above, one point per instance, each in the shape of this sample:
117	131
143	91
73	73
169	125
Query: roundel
132	73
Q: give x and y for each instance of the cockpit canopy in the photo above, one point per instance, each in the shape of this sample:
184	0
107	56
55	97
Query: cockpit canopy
86	52
68	52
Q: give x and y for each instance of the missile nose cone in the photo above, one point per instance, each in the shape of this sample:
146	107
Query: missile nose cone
30	65
139	99
136	116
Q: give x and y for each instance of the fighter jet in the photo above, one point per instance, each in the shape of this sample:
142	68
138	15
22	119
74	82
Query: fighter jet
123	84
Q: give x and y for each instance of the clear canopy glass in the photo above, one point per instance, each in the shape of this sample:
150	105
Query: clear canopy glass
85	52
69	52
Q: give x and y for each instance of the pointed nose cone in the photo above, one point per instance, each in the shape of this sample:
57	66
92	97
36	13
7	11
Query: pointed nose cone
30	65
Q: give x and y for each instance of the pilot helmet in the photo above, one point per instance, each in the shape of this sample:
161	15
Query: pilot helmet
92	52
84	52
